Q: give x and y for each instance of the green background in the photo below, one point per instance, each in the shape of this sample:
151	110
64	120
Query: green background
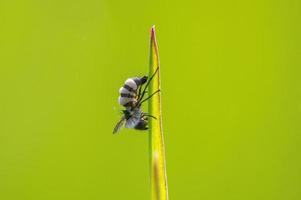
231	96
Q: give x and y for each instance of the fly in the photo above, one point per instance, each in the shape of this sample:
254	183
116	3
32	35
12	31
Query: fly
131	96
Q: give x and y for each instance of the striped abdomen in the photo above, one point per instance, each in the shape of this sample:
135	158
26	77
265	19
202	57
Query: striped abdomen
128	93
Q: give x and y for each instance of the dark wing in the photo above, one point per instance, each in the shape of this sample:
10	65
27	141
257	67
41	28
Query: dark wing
119	125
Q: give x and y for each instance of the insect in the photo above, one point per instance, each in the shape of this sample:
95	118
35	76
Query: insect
131	97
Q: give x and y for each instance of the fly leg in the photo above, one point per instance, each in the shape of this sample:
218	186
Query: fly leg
148	82
139	92
148	115
150	96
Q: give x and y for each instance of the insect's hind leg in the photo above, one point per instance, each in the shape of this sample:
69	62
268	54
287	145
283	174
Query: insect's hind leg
139	92
148	82
150	96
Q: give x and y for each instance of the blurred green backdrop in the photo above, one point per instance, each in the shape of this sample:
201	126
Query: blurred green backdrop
231	94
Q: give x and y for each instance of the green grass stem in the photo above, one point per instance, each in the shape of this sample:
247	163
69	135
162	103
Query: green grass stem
159	189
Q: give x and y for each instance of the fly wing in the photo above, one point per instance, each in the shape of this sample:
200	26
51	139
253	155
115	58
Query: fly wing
119	125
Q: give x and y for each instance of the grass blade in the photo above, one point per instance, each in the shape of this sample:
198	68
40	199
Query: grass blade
159	187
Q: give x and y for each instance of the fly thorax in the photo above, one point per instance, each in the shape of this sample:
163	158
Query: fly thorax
127	114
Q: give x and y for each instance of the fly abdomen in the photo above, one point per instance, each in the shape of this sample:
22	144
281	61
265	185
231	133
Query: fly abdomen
140	80
132	84
128	92
126	100
126	97
125	91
